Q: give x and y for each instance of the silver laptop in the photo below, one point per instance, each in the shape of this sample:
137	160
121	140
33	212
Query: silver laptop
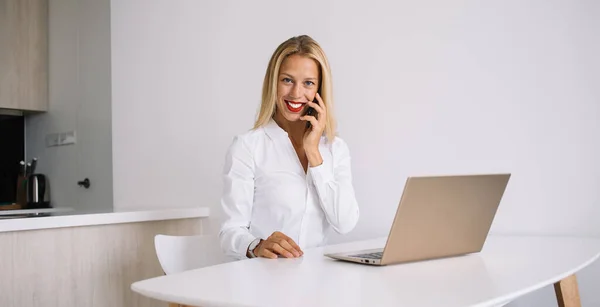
438	217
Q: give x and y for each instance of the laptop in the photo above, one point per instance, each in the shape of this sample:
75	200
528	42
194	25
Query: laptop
437	217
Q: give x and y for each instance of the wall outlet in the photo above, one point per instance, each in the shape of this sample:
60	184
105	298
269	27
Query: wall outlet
51	139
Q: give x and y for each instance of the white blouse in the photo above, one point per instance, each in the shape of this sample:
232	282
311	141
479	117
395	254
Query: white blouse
266	190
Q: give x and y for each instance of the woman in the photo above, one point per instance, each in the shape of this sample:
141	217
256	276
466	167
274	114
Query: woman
288	183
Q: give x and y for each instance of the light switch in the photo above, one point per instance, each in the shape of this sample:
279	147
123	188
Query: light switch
68	138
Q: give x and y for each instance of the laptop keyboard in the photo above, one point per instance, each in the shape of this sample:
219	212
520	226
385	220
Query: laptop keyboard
377	255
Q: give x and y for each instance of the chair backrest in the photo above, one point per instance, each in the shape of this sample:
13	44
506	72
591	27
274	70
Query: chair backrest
182	253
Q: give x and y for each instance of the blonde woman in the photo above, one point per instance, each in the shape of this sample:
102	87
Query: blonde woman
288	181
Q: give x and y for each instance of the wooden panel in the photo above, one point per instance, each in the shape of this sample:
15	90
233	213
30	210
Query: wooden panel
567	292
24	54
83	266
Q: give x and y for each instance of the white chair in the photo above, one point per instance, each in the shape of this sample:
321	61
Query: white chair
183	253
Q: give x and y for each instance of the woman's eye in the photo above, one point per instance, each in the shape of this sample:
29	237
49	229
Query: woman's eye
309	83
287	80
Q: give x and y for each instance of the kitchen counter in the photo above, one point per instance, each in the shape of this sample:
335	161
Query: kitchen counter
7	214
65	218
81	258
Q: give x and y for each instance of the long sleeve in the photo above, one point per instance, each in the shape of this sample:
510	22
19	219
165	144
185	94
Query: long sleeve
237	200
333	182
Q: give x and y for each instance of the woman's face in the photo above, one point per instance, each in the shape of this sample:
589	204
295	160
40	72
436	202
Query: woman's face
297	84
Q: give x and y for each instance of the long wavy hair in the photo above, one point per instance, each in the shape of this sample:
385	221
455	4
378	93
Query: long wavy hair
300	45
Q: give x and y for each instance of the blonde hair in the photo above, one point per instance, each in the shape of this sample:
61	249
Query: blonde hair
301	45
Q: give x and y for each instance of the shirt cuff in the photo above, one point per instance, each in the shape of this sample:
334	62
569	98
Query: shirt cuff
244	243
321	173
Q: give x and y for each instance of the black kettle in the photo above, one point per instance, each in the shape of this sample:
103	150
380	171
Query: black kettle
38	192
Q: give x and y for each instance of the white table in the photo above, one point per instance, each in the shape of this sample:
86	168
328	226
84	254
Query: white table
507	268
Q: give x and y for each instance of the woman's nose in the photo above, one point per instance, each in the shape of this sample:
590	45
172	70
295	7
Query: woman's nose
296	91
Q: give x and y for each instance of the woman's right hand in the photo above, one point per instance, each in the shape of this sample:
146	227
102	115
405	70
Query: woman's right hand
278	244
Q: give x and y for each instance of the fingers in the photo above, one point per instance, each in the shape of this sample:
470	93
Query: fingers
265	253
262	250
278	249
271	249
320	100
294	245
288	247
317	107
289	240
320	107
311	119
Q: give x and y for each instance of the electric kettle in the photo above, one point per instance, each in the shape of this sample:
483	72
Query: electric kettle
38	192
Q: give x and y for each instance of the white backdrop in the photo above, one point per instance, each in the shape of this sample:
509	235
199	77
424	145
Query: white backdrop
421	87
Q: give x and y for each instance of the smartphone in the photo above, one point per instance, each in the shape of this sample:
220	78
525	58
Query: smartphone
313	112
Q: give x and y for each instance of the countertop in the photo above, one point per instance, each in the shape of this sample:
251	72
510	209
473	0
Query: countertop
63	217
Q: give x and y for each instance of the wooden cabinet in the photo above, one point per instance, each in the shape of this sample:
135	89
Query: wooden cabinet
24	55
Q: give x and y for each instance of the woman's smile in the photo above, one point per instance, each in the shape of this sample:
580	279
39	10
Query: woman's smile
294	106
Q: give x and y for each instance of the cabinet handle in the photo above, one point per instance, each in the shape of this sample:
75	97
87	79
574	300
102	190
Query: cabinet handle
85	183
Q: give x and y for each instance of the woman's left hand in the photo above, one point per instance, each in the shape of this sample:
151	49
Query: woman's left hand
312	136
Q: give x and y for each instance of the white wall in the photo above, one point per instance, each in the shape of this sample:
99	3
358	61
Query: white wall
80	101
427	87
